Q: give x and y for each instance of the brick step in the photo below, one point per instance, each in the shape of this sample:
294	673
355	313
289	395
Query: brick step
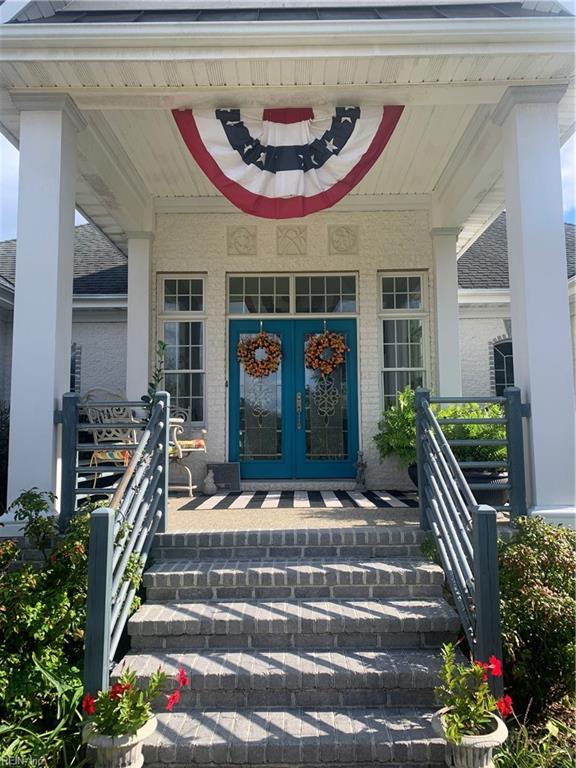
407	623
298	678
366	542
397	738
178	580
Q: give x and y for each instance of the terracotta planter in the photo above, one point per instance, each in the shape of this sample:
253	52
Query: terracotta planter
473	751
119	751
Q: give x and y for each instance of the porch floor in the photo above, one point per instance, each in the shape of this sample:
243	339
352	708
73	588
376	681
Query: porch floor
291	510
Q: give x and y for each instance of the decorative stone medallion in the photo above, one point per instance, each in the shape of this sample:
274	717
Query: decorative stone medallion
291	240
242	241
342	240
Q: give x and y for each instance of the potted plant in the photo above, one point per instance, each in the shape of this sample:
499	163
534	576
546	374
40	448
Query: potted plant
121	718
397	437
397	432
468	720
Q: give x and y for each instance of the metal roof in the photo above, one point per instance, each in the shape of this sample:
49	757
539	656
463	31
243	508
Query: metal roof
279	14
99	267
485	263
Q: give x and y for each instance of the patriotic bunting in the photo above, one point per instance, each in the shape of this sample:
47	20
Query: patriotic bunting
286	163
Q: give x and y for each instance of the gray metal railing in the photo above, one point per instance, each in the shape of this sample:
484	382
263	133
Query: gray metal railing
120	539
464	531
89	429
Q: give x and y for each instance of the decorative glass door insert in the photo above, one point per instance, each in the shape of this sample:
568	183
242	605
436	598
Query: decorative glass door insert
298	419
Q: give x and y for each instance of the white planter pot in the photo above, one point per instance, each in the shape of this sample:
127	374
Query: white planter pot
473	751
119	751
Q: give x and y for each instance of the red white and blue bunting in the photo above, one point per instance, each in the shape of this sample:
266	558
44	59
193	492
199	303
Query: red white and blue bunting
286	163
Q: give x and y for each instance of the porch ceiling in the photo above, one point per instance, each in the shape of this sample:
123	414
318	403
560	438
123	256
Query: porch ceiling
444	153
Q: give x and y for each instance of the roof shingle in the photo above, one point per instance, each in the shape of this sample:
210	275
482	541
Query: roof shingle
99	267
485	263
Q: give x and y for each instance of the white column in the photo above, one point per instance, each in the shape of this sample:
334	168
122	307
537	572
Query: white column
138	331
447	319
43	300
539	292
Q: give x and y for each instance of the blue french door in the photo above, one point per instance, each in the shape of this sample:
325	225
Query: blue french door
296	422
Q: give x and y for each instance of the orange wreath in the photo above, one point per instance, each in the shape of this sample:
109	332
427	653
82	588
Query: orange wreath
317	346
246	354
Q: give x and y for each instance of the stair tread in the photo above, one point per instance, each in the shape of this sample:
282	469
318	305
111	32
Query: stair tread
293	668
272	616
292	571
303	736
410	533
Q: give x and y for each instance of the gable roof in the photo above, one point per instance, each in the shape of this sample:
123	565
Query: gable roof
485	263
99	267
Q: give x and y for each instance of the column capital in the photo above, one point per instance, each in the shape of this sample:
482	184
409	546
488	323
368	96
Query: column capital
143	235
445	231
50	102
526	94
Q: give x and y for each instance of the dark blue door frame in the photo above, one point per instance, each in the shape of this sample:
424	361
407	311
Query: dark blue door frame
293	463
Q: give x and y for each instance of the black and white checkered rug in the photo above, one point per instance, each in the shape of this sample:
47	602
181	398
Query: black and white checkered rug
304	499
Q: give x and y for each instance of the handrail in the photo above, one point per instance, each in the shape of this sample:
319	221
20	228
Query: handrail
464	531
121	536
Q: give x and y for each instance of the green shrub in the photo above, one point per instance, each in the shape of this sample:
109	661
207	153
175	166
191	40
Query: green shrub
397	429
484	431
552	747
538	608
42	618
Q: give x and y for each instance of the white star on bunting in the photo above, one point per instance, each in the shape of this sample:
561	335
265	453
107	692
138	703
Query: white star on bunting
330	146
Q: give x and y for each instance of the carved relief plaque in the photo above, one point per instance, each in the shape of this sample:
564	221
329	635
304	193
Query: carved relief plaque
242	241
342	239
291	240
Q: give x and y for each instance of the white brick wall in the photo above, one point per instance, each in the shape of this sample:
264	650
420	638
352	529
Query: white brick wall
475	350
198	243
103	353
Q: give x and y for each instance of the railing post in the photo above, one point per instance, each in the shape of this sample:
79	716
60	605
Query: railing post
422	396
99	603
68	466
487	589
164	397
516	469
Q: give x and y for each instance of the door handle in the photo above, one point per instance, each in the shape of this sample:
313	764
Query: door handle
298	410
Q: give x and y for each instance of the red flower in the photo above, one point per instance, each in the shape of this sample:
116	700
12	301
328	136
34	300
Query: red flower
505	706
173	699
117	691
182	677
88	704
496	666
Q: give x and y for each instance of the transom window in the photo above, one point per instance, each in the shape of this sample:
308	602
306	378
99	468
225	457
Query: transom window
182	299
326	293
404	320
300	294
402	292
183	295
259	295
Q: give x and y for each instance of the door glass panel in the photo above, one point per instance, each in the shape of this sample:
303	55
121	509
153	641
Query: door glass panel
260	413
326	413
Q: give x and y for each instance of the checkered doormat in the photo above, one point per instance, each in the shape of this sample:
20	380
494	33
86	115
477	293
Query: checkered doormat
304	499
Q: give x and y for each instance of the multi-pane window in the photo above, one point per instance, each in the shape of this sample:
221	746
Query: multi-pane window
282	294
326	293
503	366
403	319
183	295
259	295
402	292
183	333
